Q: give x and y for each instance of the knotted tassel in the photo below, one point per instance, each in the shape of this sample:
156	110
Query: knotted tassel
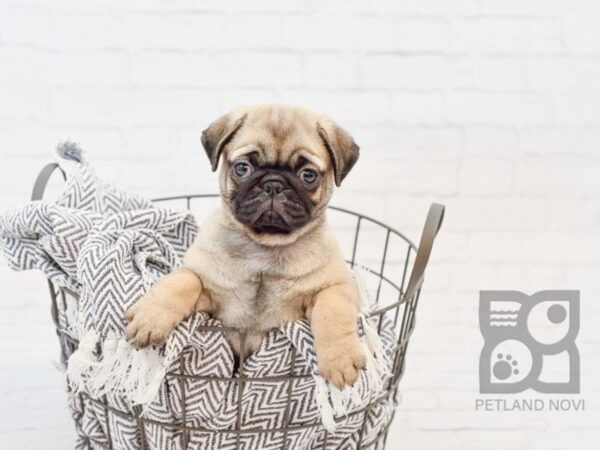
103	378
323	404
153	372
376	355
82	361
340	400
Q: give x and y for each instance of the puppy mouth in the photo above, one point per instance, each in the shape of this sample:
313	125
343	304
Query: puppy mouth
270	222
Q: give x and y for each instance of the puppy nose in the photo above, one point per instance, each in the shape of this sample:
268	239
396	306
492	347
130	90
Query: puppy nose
272	184
273	187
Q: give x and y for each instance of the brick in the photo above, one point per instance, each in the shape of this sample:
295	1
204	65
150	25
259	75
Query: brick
557	177
511	8
508	35
158	7
25	103
567	216
422	440
408	179
581	35
502	214
578	109
89	69
331	70
28	66
348	107
291	6
21	26
432	7
490	108
486	177
440	143
264	69
419	400
347	32
151	143
184	30
491	140
415	71
421	34
495	440
232	97
164	106
18	140
440	420
588	8
127	174
501	273
252	30
582	276
160	68
424	108
558	439
574	141
499	247
500	73
559	73
80	107
464	364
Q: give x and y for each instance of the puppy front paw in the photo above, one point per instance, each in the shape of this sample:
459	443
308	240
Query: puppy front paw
150	322
341	361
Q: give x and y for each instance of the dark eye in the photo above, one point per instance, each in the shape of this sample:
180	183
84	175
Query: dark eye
309	176
242	169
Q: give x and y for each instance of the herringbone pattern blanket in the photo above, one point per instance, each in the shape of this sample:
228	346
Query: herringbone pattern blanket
108	247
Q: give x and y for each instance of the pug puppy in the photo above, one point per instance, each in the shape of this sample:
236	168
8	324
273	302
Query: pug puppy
267	255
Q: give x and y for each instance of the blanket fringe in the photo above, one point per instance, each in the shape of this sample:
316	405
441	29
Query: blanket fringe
323	404
333	402
377	358
104	373
83	361
121	369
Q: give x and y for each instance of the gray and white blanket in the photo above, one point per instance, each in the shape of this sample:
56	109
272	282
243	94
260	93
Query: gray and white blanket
108	247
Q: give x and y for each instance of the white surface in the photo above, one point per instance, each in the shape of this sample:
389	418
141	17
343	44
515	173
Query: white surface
489	106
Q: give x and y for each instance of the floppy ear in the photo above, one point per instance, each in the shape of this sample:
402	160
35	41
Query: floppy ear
217	135
342	149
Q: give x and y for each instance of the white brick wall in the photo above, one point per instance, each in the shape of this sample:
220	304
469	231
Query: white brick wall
489	106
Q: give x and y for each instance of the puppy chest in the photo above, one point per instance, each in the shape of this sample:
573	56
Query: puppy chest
262	304
279	301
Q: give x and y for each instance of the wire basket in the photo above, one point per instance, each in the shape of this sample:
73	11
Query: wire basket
394	269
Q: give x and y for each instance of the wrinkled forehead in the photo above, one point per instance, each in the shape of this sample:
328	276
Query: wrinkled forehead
279	140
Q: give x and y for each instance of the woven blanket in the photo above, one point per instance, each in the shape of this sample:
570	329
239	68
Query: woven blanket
108	247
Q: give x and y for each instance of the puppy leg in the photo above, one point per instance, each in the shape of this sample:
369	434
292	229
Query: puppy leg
333	319
166	304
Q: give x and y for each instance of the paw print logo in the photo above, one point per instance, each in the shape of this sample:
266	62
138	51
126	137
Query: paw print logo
505	367
529	342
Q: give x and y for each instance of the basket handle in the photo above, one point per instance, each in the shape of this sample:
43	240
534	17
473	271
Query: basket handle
42	180
430	230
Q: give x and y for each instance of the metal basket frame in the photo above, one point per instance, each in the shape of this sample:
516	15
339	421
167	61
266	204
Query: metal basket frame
406	303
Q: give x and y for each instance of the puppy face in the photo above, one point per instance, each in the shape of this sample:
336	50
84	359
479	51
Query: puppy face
279	167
